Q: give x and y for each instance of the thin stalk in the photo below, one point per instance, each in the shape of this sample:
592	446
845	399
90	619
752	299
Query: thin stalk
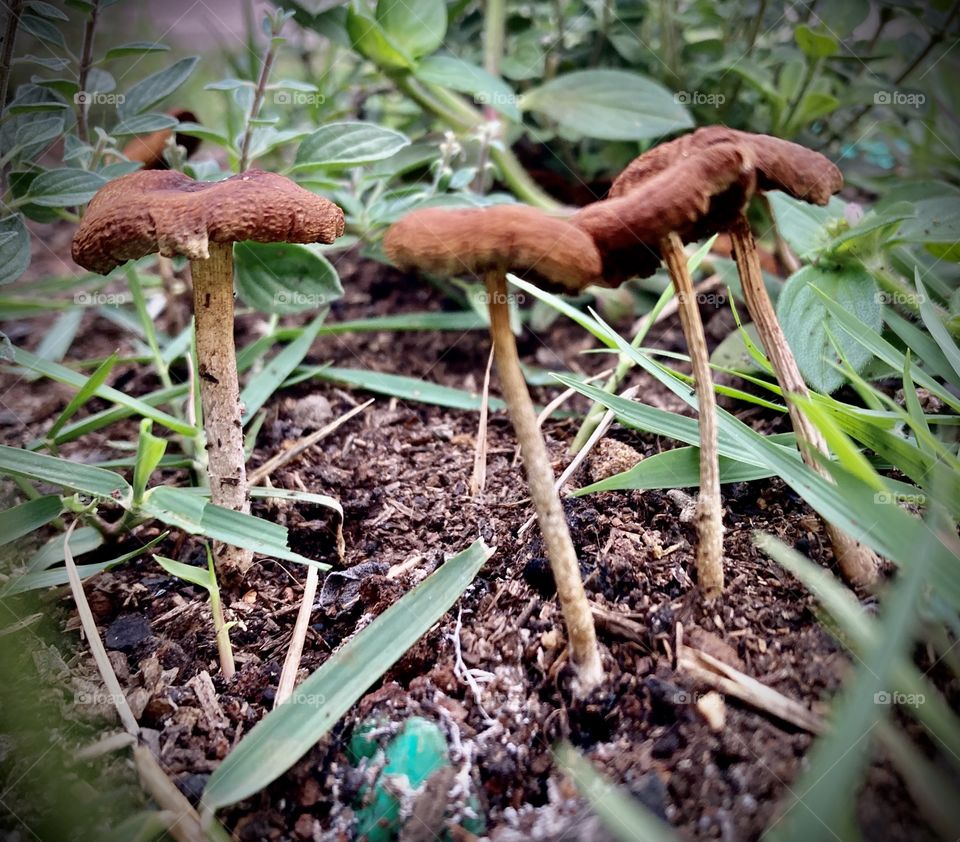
139	301
6	60
220	391
751	43
577	616
811	73
709	556
494	27
857	563
258	95
86	62
222	630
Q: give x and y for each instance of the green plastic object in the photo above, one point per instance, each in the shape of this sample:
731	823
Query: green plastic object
415	753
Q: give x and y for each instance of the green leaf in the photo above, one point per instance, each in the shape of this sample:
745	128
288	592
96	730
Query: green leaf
808	325
467	78
609	105
271	377
938	331
199	576
406	388
64	187
66	474
14	248
58	576
678	468
340	145
284	278
83	540
293	728
135	48
802	225
188	510
44	30
148	92
417	26
143	124
23	519
936	225
625	817
815	44
45	10
150	450
370	40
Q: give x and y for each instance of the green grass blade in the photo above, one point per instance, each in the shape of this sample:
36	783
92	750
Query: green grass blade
85	393
62	374
66	474
405	388
619	811
199	576
921	344
150	450
23	519
937	329
83	540
272	376
287	733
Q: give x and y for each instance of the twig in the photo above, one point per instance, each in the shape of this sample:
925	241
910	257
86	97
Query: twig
478	479
261	89
86	62
280	459
14	10
291	664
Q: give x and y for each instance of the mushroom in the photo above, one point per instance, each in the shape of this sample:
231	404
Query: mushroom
669	200
809	176
167	212
489	242
715	155
148	149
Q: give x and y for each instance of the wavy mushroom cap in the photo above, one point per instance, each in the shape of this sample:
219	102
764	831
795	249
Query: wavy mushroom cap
692	196
167	212
506	238
780	164
148	149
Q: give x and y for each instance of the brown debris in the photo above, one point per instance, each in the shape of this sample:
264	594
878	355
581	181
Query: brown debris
168	212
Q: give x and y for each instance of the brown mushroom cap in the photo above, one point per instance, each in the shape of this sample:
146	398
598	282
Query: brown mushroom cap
167	212
692	196
148	149
507	238
780	164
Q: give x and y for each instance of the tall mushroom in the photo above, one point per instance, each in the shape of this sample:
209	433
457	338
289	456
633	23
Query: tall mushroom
806	175
678	200
489	242
167	212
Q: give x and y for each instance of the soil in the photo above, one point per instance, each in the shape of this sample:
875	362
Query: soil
402	473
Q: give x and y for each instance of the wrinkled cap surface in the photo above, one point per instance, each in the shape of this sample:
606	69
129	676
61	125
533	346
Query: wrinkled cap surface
780	164
170	213
506	238
692	196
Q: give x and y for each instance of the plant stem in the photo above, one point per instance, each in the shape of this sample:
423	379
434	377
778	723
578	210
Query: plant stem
494	26
224	649
812	70
751	43
857	563
86	61
709	558
258	95
462	117
220	391
553	524
6	60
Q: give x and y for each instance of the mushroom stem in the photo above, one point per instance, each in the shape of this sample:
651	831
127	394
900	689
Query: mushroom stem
857	563
709	558
553	524
220	391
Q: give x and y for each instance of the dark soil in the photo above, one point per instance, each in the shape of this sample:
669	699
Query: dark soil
402	472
